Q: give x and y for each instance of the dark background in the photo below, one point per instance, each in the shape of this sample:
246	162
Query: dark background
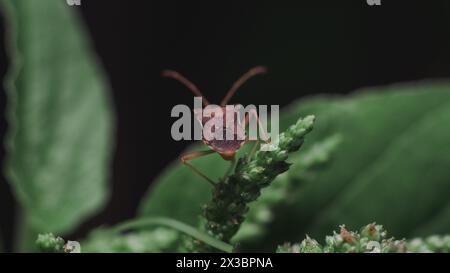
310	47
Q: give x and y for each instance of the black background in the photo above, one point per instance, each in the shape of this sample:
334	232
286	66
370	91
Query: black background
310	47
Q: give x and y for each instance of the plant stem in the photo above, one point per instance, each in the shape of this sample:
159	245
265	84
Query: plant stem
225	212
176	225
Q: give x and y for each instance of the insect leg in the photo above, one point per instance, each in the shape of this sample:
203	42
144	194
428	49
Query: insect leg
232	163
188	157
253	150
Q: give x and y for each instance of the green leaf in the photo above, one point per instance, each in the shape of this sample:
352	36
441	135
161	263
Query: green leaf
157	240
391	166
168	236
59	113
161	200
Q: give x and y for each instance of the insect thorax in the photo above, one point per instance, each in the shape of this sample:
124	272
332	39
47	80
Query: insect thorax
229	137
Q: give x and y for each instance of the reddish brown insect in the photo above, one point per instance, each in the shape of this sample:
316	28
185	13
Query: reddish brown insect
225	148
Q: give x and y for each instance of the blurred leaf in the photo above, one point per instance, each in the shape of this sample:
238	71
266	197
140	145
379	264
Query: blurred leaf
60	119
159	239
161	200
169	236
391	167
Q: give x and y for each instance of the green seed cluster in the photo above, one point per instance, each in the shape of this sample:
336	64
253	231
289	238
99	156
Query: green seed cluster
430	244
306	167
49	243
225	212
370	239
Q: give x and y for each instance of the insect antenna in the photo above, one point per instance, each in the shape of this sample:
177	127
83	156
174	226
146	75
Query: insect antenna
252	72
177	76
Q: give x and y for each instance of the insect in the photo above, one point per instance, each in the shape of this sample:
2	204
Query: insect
226	148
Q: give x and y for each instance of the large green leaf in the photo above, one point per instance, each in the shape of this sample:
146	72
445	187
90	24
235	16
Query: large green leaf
59	114
177	179
392	166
